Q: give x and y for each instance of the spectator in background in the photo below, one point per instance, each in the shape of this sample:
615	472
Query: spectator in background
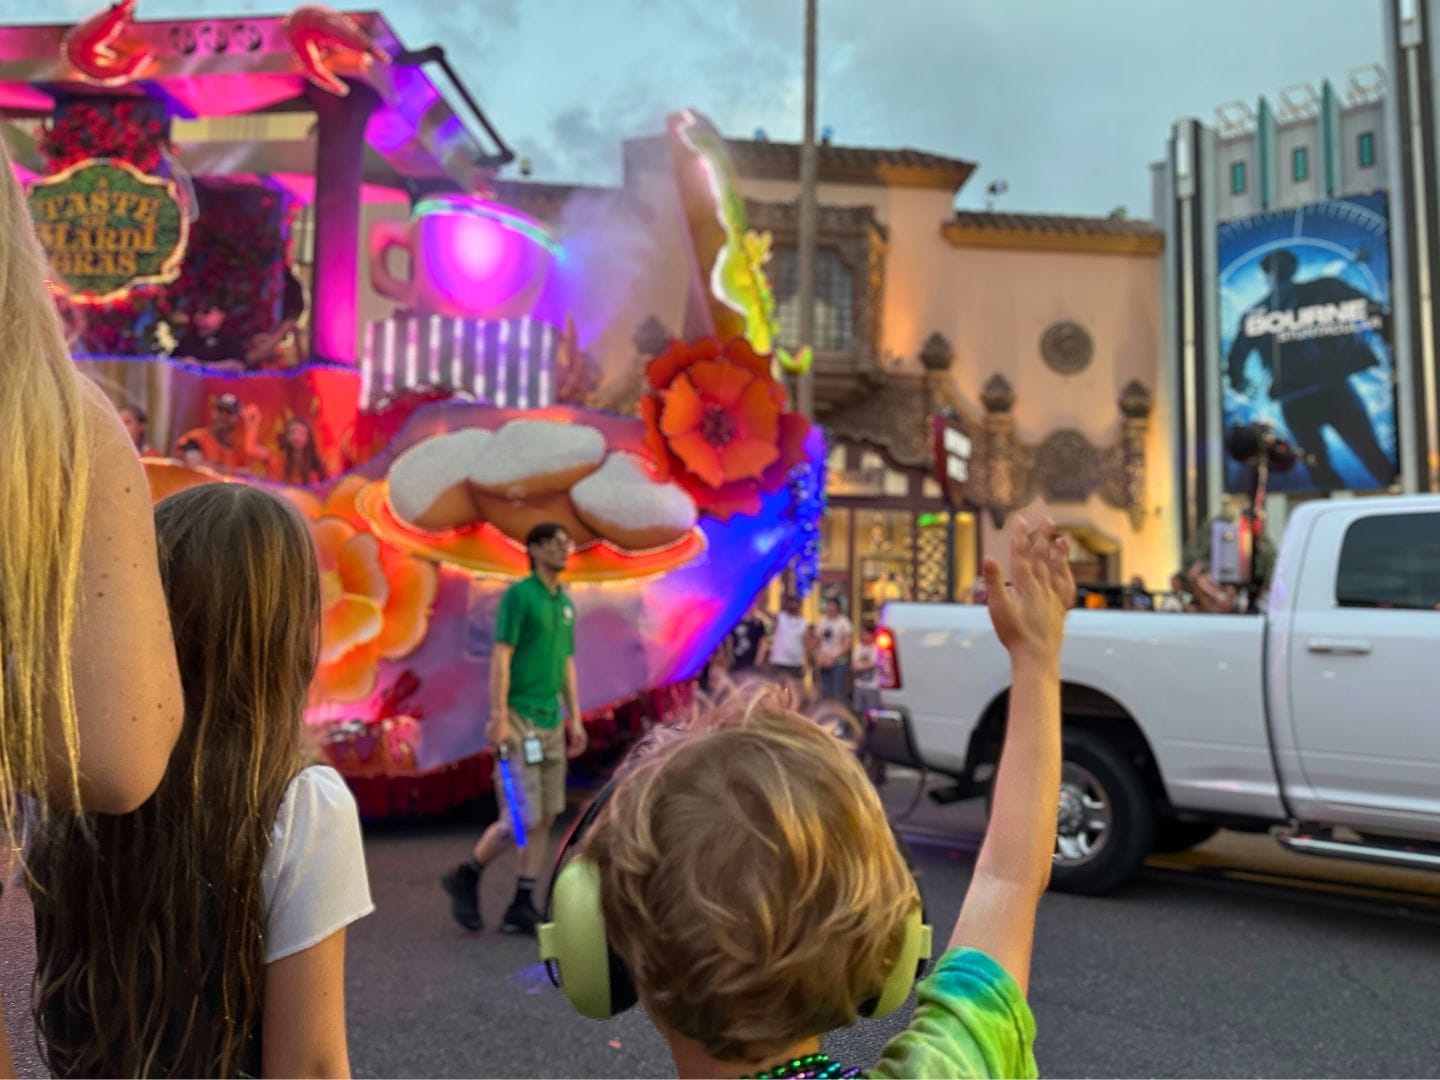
298	460
790	640
192	455
207	341
747	641
1139	598
134	419
1178	598
231	442
867	671
835	639
280	346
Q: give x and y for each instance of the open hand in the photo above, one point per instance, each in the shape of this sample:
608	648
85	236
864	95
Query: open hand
576	739
1029	613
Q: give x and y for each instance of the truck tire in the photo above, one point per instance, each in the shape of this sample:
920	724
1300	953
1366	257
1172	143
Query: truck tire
1106	821
1172	835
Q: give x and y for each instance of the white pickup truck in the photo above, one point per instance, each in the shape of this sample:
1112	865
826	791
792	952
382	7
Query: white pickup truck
1318	720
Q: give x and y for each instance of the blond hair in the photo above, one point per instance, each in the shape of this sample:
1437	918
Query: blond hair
750	881
44	489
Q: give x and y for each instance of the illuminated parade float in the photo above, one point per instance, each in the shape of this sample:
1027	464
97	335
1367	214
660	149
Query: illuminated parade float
423	438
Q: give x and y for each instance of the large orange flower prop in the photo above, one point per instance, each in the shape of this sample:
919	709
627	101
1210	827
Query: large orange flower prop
376	600
715	423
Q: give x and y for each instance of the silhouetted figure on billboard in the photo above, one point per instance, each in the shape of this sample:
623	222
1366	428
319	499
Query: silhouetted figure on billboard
1307	337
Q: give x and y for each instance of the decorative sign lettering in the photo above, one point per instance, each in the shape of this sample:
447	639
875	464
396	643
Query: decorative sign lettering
107	228
953	451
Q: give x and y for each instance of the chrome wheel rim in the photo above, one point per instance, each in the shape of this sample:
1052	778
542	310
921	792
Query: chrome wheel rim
1084	820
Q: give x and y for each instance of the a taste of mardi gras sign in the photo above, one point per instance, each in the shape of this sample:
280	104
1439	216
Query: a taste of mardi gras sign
107	227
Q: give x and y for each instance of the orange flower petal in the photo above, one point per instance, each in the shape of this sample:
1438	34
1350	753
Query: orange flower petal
341	502
700	457
794	430
654	440
683	410
330	536
351	621
352	678
741	497
720	382
360	569
331	588
309	506
413	584
739	351
758	414
747	459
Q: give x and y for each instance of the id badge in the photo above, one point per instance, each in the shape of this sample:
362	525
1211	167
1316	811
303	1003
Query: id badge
532	750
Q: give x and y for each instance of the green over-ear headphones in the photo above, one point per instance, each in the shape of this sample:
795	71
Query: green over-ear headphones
576	949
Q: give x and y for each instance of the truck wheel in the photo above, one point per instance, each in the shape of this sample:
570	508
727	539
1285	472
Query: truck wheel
1172	835
1106	823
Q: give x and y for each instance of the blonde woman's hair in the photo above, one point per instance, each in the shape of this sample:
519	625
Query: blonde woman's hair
150	933
44	489
750	881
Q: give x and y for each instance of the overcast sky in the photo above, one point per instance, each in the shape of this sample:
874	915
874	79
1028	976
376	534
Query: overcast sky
1069	102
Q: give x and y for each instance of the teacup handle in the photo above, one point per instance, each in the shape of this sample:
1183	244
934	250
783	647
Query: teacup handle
385	236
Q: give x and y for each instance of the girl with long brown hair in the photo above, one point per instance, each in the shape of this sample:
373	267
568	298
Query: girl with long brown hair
90	698
298	459
215	914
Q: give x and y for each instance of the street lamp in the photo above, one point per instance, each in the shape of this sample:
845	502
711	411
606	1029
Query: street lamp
805	385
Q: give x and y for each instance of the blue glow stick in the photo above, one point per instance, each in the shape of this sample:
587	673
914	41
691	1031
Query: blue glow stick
507	781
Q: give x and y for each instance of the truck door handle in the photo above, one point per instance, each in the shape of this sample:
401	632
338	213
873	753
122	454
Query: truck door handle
1339	646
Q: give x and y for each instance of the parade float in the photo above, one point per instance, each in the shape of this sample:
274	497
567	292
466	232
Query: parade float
444	421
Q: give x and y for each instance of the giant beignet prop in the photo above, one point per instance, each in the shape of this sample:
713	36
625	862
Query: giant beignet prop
430	482
622	502
533	471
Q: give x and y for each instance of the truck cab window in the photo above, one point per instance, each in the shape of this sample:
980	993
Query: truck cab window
1391	561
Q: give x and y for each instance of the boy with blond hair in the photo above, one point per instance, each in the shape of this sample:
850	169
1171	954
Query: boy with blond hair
752	887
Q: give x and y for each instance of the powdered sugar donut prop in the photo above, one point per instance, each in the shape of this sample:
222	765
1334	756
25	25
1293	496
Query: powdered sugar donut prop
623	503
516	517
528	458
430	482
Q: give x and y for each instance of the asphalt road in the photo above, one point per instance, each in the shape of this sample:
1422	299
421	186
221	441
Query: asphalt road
1234	960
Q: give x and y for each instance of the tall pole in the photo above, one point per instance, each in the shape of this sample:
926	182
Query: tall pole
805	390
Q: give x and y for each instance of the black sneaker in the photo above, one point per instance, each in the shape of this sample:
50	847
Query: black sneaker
462	884
521	919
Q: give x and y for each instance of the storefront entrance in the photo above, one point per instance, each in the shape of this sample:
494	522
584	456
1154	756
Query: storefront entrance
888	536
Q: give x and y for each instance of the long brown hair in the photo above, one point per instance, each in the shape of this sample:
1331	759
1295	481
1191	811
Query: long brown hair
150	934
44	489
306	467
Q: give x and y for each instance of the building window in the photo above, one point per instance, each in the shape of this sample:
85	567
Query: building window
1391	561
834	300
1367	149
1237	178
1300	163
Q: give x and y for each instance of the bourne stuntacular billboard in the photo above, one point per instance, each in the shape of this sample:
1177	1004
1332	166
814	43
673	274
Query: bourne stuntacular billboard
1305	343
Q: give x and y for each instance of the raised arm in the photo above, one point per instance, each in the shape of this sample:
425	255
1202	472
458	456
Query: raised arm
1013	869
128	701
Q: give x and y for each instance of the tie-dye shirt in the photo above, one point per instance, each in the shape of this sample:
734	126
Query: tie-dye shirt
970	1021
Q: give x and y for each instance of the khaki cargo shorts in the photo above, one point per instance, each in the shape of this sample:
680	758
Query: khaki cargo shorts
540	789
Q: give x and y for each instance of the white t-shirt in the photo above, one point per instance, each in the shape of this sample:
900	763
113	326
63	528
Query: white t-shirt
314	873
835	635
787	642
866	657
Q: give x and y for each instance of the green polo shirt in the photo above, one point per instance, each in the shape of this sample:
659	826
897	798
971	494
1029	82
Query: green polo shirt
540	626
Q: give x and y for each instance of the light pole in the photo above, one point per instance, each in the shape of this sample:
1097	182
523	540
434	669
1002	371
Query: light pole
805	385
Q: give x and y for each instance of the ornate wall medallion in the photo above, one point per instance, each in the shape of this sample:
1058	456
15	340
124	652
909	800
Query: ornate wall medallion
1067	348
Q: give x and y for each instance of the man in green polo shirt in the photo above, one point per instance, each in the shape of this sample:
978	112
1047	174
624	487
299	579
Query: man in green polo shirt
531	669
